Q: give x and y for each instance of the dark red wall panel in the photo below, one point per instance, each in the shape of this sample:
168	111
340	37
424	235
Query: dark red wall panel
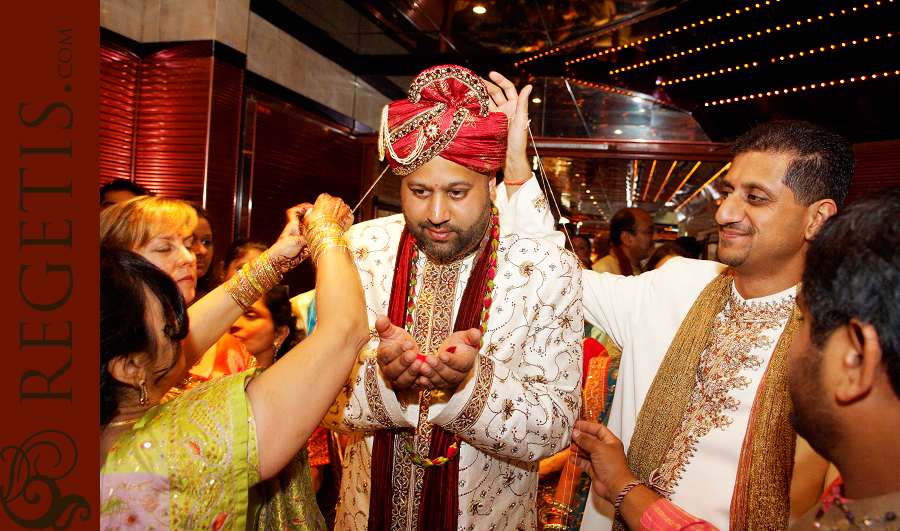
118	95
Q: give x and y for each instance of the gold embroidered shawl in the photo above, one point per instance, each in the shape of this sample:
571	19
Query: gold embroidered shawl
761	495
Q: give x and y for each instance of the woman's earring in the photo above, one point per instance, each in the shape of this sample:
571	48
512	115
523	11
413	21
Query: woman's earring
143	398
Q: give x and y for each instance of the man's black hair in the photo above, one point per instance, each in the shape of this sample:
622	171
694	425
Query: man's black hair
853	271
822	165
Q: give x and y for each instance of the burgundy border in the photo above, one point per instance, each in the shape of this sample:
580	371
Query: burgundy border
37	64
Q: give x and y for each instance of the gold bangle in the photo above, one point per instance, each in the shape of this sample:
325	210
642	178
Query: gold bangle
323	234
329	248
555	526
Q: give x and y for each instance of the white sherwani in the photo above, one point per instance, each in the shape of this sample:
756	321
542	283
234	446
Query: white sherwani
517	405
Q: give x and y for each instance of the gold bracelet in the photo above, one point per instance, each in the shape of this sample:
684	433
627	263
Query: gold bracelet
555	526
253	280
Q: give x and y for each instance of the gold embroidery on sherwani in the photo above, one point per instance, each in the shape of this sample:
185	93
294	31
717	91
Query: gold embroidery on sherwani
432	324
540	203
738	330
476	404
379	410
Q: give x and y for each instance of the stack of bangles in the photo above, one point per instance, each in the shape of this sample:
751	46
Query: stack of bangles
260	274
558	510
324	234
253	280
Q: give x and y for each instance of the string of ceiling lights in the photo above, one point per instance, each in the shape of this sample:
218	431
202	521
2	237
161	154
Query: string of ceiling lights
731	40
667	33
789	56
608	88
801	88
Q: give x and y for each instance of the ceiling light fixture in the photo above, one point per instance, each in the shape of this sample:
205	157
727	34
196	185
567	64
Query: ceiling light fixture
479	10
660	35
711	179
649	178
688	176
674	162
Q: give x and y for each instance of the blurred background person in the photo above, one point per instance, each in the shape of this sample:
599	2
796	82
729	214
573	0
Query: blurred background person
581	246
663	253
268	328
119	190
600	247
631	239
204	250
241	251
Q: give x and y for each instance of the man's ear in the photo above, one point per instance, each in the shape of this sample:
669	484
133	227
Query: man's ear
492	187
860	363
124	369
627	239
818	213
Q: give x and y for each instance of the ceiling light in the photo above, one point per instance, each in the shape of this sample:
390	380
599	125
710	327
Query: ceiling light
618	131
536	100
479	10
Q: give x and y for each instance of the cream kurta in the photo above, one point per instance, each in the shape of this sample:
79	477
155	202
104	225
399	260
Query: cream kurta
642	314
517	405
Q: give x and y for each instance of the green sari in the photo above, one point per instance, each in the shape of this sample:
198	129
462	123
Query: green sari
192	462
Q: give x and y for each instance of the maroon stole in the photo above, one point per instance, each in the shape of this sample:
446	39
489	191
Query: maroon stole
439	503
624	261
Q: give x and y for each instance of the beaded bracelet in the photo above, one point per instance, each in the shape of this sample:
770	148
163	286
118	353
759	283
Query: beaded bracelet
625	491
520	183
253	280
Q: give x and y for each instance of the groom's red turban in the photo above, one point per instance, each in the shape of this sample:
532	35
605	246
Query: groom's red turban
445	114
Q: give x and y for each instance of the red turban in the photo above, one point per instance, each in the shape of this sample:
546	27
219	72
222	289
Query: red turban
445	114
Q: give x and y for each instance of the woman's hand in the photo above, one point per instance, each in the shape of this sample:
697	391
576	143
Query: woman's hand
329	207
290	249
